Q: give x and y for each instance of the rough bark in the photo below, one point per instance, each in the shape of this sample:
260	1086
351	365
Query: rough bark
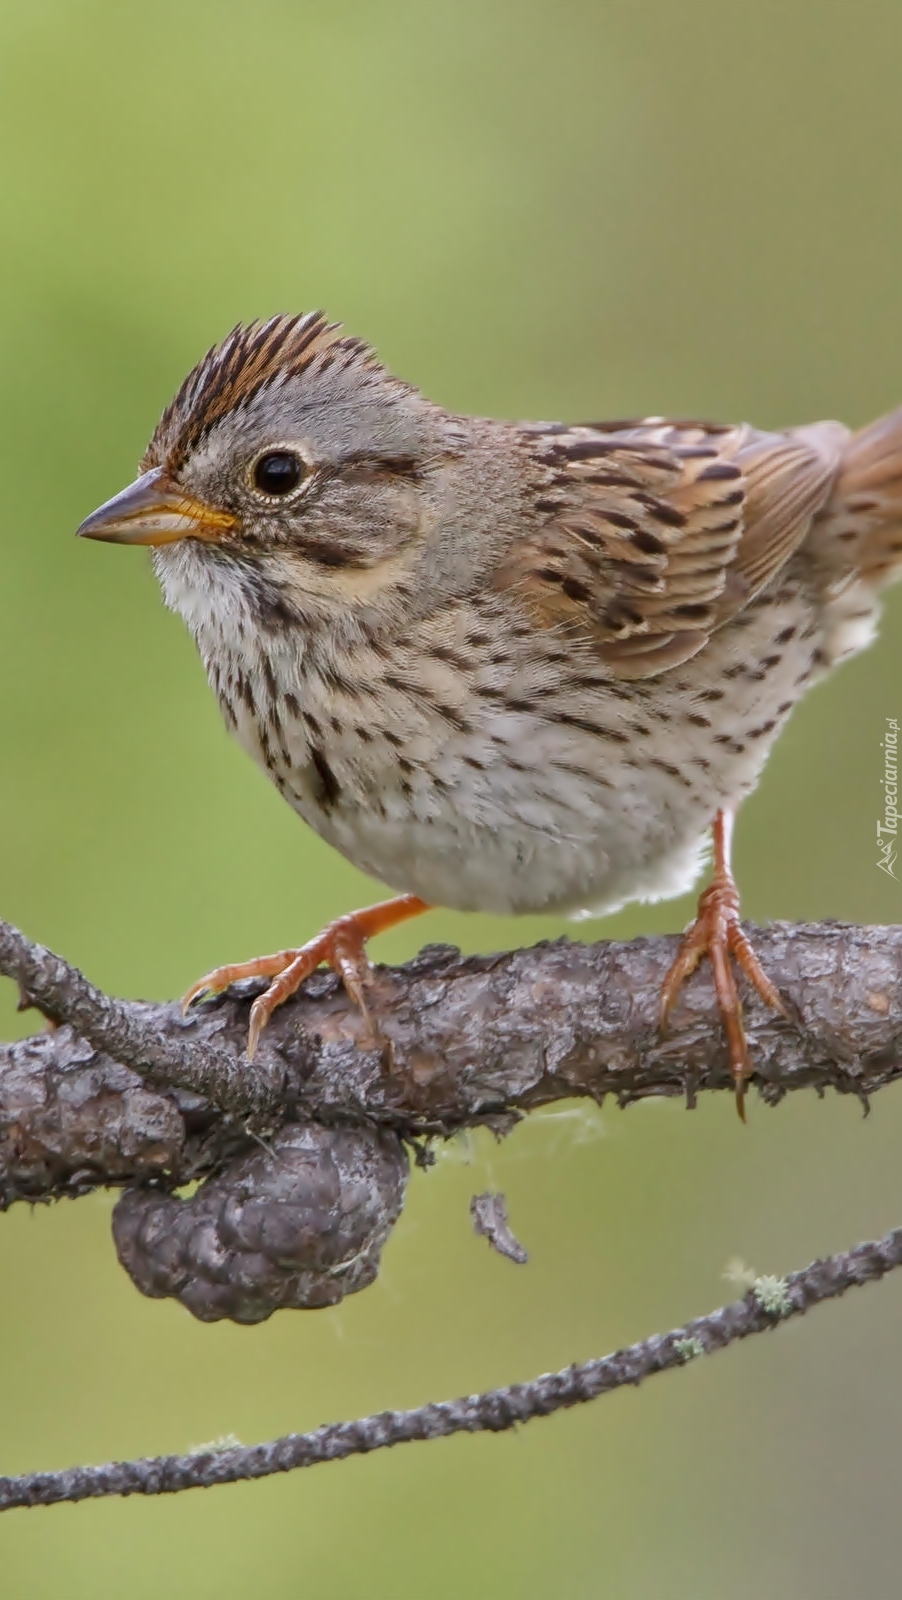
125	1091
302	1151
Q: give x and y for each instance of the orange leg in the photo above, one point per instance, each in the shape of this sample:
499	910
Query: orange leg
716	933
340	946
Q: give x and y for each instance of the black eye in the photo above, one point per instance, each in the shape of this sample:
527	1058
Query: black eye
278	472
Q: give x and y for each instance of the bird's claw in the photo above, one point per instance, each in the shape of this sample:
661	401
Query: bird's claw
341	945
717	933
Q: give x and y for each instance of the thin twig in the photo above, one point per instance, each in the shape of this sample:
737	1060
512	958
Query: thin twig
769	1302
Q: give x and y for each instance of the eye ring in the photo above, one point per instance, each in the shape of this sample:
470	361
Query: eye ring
277	473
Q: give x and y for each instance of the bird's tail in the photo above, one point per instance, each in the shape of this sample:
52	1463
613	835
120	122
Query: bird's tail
858	534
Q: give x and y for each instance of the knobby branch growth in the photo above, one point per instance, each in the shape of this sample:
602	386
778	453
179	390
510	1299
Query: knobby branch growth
303	1154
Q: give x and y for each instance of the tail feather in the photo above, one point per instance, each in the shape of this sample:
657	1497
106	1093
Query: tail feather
858	534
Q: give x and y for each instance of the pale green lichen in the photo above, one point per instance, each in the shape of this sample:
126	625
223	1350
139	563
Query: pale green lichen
772	1295
737	1273
687	1349
226	1441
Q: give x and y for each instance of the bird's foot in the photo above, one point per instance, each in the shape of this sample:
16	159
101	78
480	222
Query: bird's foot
341	946
716	933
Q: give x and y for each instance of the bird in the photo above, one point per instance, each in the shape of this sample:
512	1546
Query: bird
504	666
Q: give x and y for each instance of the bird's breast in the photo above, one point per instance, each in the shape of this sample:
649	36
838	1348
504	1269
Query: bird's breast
513	783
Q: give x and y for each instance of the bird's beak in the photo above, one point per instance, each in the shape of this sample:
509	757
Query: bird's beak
154	510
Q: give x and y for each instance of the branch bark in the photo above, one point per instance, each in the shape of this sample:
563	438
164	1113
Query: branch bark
303	1155
768	1302
127	1090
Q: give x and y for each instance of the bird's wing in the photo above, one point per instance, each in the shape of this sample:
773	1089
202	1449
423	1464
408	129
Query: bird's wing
656	533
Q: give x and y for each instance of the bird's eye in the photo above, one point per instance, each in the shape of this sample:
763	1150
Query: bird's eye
278	472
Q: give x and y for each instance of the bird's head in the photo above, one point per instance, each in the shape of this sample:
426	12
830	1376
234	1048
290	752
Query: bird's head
291	470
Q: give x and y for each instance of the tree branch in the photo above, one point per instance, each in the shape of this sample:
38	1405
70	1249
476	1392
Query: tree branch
768	1302
130	1033
466	1041
302	1151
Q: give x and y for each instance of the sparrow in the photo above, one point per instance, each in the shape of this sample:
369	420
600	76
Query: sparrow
504	666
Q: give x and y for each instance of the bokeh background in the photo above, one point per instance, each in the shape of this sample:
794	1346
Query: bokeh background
532	210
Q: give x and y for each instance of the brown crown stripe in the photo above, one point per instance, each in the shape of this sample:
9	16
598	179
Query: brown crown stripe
232	373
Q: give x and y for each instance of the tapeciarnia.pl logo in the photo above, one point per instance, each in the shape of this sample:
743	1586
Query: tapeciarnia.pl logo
887	829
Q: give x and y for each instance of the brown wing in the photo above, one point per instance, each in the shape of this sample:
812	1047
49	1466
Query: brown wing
656	533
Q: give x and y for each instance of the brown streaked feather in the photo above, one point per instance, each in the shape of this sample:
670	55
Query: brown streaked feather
658	532
859	532
788	478
252	356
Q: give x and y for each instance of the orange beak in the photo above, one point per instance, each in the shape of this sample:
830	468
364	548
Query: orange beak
154	510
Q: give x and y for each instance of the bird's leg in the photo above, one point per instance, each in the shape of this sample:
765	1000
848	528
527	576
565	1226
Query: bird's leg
716	933
339	946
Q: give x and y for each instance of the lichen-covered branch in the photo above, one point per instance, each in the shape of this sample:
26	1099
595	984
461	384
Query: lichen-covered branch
767	1303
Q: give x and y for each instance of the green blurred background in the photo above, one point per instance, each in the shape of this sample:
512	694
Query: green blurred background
585	209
